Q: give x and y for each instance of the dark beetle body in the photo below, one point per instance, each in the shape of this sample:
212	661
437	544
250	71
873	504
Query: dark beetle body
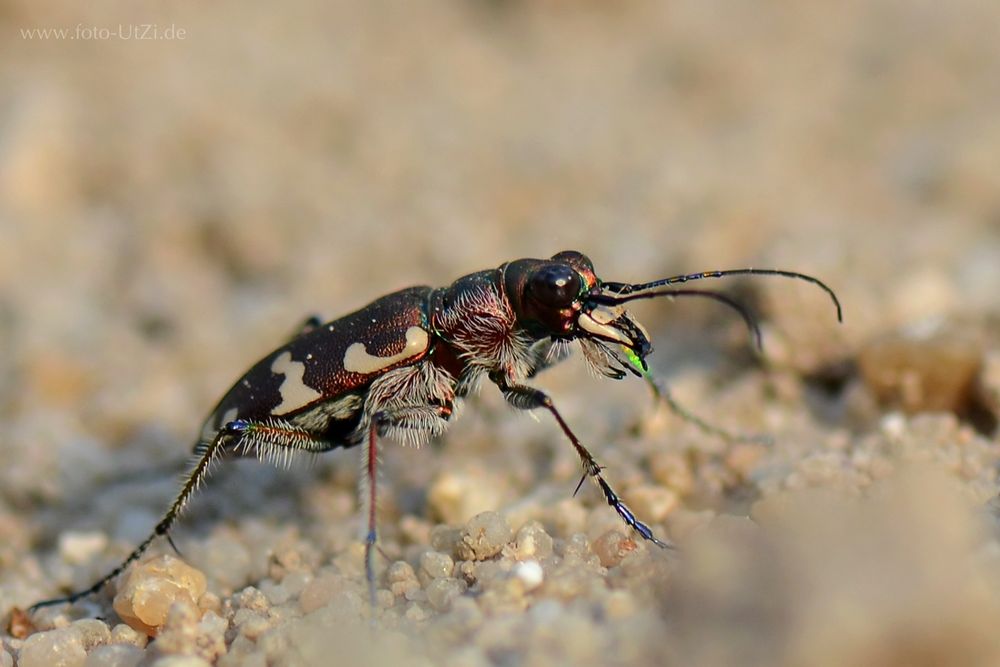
399	367
306	379
418	348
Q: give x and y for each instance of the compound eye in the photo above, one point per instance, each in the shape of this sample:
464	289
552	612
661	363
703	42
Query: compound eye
555	285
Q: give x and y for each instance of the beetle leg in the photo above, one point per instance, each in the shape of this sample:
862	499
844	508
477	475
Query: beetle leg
379	420
415	417
276	441
524	397
234	434
662	392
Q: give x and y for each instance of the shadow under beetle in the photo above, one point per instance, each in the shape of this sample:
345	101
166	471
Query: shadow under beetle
396	368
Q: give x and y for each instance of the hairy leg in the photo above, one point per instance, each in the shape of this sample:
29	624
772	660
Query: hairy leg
268	437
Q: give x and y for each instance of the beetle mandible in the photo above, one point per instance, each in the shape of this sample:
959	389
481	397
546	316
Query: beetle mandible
397	368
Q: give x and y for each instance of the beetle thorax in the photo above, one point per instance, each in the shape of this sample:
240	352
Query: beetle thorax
478	321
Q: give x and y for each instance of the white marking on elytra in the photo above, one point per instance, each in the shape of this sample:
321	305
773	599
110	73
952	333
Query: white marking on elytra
230	415
357	359
294	392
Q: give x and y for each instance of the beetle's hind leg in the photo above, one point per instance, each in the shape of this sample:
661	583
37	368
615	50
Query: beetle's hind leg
237	433
662	393
524	397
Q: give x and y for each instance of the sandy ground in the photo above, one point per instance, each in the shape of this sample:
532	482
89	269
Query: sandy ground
171	208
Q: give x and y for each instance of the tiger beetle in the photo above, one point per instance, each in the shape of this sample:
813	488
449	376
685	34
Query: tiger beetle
398	367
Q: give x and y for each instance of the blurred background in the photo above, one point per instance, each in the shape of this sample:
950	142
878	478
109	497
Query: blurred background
182	183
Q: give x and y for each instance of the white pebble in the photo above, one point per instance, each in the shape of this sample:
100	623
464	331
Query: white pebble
77	548
530	573
893	425
55	648
181	661
114	655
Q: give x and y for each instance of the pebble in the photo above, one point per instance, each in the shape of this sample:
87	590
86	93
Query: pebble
989	382
277	594
92	632
922	371
320	591
530	573
434	565
125	634
484	536
441	592
180	661
186	632
416	613
532	542
227	558
79	547
612	546
145	597
446	539
54	648
673	471
652	503
115	655
619	604
401	578
454	497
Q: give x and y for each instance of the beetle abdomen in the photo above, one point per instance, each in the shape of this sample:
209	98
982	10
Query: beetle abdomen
316	381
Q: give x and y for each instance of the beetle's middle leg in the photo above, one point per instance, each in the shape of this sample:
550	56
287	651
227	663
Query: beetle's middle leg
524	397
415	421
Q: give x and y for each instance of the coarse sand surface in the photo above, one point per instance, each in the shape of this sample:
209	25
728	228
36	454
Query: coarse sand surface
182	183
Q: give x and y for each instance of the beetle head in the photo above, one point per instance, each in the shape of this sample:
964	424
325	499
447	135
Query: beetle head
562	298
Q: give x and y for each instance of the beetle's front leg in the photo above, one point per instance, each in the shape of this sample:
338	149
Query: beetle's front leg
524	397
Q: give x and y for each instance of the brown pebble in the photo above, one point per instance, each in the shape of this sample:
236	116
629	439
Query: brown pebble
612	546
145	597
922	373
20	625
